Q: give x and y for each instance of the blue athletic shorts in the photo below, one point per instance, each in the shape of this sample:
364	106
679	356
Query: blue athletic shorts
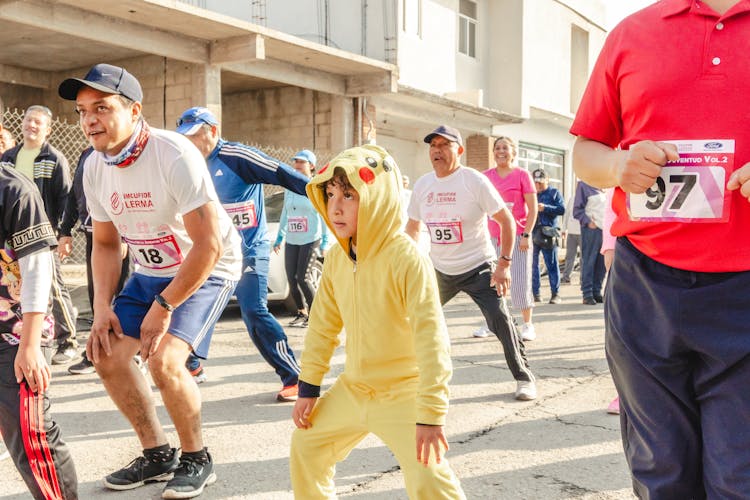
193	321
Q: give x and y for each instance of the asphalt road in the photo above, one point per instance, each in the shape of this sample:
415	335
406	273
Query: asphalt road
561	446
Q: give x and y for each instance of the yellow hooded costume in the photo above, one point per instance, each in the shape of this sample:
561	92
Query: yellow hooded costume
397	348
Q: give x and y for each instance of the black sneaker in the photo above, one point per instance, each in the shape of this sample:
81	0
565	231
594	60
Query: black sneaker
83	367
190	478
299	320
141	471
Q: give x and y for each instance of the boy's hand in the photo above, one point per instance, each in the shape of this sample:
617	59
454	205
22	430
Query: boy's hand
31	365
429	437
301	412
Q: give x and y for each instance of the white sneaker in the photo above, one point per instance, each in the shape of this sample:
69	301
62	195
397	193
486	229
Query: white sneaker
525	390
528	332
482	332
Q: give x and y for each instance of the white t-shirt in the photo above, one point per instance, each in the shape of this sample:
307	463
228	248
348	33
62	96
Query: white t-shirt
455	210
146	201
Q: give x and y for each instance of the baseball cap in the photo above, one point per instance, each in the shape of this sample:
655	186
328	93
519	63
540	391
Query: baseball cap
449	133
306	155
540	175
104	77
193	119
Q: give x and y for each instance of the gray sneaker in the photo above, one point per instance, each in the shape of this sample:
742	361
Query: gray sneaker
64	355
190	478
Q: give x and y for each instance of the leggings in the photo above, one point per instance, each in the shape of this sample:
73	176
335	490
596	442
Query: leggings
298	261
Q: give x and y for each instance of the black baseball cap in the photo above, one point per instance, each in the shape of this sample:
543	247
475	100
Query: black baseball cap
106	78
449	133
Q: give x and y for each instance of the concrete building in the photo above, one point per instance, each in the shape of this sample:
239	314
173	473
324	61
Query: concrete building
489	67
326	74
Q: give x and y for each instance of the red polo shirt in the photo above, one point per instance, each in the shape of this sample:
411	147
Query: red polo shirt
676	70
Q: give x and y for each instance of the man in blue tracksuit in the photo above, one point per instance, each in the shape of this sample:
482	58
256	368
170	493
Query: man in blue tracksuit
239	172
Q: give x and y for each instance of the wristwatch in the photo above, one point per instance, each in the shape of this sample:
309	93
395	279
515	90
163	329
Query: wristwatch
506	258
524	235
162	302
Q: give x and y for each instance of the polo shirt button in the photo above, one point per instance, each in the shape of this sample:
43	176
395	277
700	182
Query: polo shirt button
720	26
716	61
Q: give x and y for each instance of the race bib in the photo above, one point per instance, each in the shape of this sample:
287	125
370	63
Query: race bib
297	224
155	252
445	231
242	214
691	189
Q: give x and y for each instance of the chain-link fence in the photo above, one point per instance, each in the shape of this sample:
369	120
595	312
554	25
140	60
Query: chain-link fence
70	140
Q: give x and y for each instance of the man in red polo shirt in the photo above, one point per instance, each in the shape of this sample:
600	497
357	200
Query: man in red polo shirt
665	119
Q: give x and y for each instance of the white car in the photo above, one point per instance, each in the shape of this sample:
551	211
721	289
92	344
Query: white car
278	286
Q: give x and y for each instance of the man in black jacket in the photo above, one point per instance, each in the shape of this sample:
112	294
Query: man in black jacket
49	170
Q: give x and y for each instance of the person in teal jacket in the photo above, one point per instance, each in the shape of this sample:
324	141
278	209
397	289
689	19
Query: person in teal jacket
306	237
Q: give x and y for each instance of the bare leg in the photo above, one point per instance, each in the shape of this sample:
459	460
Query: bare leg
130	390
526	314
180	394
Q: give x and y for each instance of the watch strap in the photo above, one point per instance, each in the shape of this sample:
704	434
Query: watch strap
162	302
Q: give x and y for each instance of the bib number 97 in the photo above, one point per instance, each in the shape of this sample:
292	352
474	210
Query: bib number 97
684	182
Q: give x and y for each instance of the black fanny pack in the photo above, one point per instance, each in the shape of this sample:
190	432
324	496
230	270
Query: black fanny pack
546	237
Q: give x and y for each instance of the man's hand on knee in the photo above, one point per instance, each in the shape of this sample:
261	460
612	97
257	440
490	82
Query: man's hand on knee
105	324
153	329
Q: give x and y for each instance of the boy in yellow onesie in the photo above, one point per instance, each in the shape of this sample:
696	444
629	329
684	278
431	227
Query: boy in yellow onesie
379	287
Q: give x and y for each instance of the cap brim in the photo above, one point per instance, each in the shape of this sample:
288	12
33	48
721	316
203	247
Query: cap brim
69	88
428	139
189	128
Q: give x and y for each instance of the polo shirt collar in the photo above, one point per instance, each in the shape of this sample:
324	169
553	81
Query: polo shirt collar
674	7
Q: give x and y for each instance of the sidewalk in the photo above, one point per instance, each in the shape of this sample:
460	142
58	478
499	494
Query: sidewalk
561	446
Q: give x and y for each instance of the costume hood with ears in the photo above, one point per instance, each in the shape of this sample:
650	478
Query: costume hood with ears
375	176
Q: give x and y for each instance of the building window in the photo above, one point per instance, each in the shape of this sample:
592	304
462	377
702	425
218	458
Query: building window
413	17
467	28
533	156
579	65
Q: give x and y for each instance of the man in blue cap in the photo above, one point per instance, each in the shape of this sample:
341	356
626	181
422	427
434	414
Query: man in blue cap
239	172
149	188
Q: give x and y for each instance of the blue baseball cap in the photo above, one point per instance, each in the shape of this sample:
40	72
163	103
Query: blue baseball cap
106	78
306	155
193	119
449	133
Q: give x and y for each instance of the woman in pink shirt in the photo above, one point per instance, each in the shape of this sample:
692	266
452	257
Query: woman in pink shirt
517	190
